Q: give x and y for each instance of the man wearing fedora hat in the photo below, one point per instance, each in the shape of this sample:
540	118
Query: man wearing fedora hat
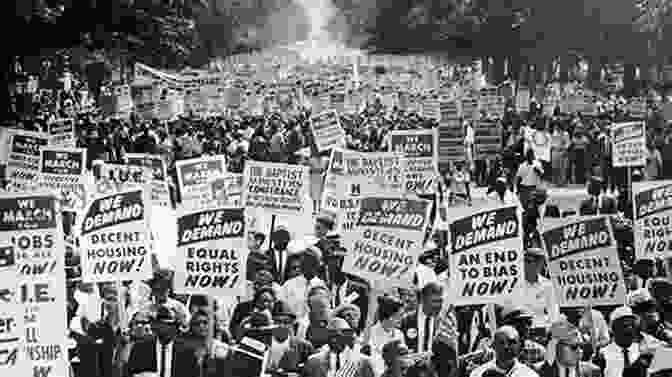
277	254
287	353
563	357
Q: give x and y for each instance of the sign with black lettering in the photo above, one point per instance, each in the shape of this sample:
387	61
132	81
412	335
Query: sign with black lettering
275	187
23	161
194	177
583	262
420	147
629	144
211	252
652	219
387	240
62	170
115	237
486	261
32	225
159	176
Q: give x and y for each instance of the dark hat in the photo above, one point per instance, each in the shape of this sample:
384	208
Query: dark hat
513	313
661	290
326	219
162	278
281	234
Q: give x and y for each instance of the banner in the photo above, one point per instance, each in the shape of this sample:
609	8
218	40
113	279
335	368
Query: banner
387	240
486	257
115	241
193	177
211	252
228	190
159	181
278	188
327	131
23	162
62	170
13	361
583	262
32	224
352	175
653	219
62	133
420	148
629	144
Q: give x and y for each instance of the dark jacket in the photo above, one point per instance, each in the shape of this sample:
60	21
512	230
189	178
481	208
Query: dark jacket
143	359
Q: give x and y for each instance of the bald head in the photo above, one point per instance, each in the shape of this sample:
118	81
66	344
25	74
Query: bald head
507	345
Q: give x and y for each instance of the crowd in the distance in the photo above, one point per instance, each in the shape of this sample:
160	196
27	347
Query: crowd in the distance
317	321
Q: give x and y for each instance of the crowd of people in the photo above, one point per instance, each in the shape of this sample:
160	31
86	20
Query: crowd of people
317	321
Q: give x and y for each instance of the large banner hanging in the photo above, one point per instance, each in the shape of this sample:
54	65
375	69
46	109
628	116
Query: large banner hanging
115	238
653	219
194	176
583	261
211	252
278	188
420	147
486	261
387	240
32	224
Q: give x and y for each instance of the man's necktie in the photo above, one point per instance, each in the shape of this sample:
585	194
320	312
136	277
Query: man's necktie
164	354
425	345
338	362
280	264
626	358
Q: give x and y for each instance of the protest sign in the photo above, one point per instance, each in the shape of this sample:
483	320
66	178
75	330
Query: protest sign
12	331
420	149
193	177
115	242
228	189
23	162
278	188
211	252
387	240
653	219
159	179
62	133
583	262
486	261
352	175
327	130
111	178
62	171
32	225
629	144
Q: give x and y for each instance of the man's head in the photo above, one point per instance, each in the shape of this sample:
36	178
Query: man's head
517	317
161	285
645	307
324	223
623	325
263	278
280	238
567	340
165	324
264	299
506	344
293	268
341	335
431	298
284	319
199	324
350	313
256	241
141	326
310	264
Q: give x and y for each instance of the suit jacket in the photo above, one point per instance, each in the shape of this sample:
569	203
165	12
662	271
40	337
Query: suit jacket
356	285
608	207
318	365
409	326
296	356
240	312
584	369
143	359
273	264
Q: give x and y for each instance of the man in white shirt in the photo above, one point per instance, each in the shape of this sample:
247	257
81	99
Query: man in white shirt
528	178
295	290
539	296
507	347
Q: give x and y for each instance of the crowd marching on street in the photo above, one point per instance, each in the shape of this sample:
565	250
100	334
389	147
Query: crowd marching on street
360	217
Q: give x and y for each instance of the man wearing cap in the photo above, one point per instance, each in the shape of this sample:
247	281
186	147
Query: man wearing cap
563	357
624	351
520	318
539	297
339	359
645	308
161	356
287	353
506	343
277	255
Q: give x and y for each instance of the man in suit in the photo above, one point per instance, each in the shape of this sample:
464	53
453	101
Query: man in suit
339	359
277	254
598	203
161	356
346	289
287	353
565	354
419	328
